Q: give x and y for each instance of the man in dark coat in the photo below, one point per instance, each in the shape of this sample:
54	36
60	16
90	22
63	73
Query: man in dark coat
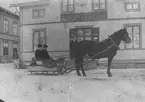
38	53
47	60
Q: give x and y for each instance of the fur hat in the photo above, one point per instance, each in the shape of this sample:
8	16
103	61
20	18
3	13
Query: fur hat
39	45
45	46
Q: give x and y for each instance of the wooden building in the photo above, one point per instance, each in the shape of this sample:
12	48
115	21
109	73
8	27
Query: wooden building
56	22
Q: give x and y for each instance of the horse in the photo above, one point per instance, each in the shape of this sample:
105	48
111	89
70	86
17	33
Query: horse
104	49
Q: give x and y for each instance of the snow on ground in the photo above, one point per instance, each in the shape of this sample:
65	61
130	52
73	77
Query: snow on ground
126	85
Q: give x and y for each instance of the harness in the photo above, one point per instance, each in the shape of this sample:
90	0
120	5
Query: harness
108	47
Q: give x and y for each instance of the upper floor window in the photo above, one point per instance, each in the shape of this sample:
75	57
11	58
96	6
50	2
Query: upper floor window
133	5
99	5
38	13
6	26
67	6
15	28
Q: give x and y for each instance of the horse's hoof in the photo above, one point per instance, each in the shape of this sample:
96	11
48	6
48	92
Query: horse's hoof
84	75
109	75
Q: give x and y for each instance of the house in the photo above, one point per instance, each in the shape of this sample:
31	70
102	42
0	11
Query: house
9	34
56	22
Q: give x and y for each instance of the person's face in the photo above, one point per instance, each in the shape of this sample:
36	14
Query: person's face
45	48
40	48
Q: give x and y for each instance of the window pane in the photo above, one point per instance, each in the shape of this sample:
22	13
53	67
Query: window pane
102	4
87	38
71	2
96	1
64	2
80	32
41	12
136	29
64	9
129	45
87	31
35	13
36	35
95	38
121	45
41	33
135	6
129	6
136	44
129	30
70	7
80	38
136	37
96	6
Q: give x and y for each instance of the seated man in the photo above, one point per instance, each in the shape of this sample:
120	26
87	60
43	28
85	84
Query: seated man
38	53
47	61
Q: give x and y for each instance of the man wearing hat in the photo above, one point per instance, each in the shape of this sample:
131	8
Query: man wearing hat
47	60
38	53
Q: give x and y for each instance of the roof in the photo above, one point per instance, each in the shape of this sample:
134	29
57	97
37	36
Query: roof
8	11
30	3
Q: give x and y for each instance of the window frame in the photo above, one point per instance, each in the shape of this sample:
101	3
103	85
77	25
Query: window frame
5	48
140	36
39	30
38	10
5	25
15	27
97	10
84	36
67	7
132	2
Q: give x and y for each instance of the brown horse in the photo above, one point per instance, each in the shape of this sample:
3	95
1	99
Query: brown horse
104	49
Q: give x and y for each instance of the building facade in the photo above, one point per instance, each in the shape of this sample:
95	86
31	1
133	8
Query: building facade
56	22
9	34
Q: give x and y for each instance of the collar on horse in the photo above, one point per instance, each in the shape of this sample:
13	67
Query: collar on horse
113	43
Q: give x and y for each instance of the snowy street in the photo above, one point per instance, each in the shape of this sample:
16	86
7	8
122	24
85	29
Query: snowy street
126	85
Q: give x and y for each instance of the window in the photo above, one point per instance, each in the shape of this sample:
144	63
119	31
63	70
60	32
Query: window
15	29
133	5
134	33
15	50
84	34
99	5
39	37
6	26
5	48
38	13
67	6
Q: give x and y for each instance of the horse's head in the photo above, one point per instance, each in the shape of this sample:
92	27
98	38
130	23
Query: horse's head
124	35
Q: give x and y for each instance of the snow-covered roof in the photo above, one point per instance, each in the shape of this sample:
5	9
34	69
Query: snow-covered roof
34	3
8	11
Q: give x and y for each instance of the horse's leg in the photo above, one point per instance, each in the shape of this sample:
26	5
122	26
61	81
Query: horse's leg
109	66
82	68
77	63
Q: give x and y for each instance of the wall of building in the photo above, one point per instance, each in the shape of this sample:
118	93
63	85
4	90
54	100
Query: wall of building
10	37
52	13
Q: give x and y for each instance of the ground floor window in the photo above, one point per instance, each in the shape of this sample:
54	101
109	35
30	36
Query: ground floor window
84	34
15	50
134	31
79	34
39	37
5	47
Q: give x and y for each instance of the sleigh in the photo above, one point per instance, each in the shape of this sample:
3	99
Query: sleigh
60	68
